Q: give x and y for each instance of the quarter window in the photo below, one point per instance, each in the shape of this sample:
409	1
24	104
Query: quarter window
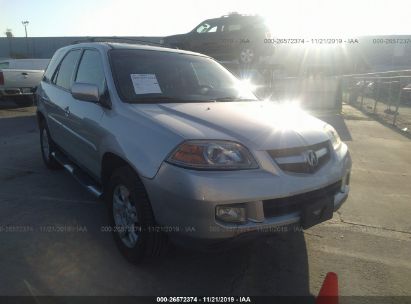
65	73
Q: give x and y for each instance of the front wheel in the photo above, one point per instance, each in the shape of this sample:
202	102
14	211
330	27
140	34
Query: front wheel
47	148
131	217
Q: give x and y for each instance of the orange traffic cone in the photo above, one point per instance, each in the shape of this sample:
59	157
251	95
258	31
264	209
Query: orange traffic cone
329	290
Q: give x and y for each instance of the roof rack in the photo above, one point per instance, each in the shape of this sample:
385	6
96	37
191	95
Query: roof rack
120	39
231	14
237	14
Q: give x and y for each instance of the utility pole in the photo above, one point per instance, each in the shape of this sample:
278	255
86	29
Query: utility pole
25	24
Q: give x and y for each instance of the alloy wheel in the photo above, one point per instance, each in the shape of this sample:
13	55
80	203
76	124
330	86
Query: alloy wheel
247	55
125	216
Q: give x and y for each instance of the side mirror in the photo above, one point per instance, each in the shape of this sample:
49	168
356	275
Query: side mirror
85	92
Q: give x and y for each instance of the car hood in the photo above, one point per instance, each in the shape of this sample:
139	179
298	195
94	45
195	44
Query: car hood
259	125
174	38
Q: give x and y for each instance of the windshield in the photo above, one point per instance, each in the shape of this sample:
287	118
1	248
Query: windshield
143	76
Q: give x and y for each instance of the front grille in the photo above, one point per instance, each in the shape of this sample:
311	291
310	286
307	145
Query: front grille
295	203
295	160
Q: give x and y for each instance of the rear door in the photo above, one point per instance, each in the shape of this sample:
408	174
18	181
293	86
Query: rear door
84	117
57	99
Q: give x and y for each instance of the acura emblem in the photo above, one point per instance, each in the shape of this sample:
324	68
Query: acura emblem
312	159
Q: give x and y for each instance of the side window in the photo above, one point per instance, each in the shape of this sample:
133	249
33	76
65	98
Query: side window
65	73
233	27
207	28
91	70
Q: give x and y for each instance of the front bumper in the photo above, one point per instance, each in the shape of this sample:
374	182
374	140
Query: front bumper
185	201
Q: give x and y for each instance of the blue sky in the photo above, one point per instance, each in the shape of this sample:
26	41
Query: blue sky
330	18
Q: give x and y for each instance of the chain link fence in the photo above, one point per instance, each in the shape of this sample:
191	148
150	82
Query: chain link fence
386	96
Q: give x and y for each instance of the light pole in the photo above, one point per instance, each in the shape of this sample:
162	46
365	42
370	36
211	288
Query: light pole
9	35
25	24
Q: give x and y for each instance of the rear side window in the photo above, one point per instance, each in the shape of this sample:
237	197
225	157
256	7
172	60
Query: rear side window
66	70
91	70
233	27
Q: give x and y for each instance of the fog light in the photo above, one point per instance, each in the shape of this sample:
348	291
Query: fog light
230	214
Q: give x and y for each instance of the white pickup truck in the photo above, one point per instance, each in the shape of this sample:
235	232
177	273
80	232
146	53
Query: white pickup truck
19	78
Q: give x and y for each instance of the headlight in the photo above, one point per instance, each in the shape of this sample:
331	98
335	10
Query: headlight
333	136
213	155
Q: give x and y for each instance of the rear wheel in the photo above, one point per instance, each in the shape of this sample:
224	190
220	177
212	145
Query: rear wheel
47	147
131	217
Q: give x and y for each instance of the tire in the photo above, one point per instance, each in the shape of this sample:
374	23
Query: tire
47	147
23	101
131	217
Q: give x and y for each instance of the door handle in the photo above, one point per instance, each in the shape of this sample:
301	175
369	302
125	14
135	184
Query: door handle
66	111
24	74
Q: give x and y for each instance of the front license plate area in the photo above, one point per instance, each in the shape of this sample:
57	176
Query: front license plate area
317	212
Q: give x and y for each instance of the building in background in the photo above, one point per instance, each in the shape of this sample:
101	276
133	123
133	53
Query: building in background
44	47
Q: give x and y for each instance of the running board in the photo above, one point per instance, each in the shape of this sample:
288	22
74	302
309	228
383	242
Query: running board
83	178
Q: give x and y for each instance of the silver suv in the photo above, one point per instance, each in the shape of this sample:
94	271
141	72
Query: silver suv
181	149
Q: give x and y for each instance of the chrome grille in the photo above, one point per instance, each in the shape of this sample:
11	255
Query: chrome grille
306	159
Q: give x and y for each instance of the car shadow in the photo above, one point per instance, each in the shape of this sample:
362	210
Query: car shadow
88	263
275	265
18	125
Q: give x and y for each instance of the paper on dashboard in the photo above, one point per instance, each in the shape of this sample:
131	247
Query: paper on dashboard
145	84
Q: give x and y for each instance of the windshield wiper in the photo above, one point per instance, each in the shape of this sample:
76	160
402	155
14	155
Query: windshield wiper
232	98
158	98
168	99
